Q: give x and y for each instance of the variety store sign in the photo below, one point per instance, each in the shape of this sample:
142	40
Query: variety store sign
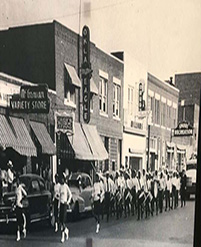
32	99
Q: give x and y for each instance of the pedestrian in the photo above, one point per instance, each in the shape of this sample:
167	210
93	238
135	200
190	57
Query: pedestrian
112	196
177	189
174	184
96	196
56	198
20	215
102	199
65	199
183	189
10	175
108	188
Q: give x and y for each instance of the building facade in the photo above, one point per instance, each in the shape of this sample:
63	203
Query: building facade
189	85
134	107
163	106
52	54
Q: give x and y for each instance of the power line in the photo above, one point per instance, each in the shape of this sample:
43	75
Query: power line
73	14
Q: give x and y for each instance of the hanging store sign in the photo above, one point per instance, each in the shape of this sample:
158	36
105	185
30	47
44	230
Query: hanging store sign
64	122
32	99
183	129
86	73
141	100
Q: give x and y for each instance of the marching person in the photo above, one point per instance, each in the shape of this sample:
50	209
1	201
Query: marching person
183	189
10	175
140	197
96	196
112	196
65	199
174	184
168	192
134	191
127	194
20	215
154	190
102	199
161	192
177	189
56	198
108	188
118	196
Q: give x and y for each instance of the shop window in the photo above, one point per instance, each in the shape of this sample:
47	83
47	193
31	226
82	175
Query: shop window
103	95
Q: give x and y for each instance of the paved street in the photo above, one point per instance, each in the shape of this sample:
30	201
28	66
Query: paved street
174	228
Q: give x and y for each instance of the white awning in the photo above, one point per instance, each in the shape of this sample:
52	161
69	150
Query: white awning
75	80
93	87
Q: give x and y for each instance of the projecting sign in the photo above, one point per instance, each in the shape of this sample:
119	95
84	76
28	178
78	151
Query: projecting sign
183	129
32	99
64	122
86	73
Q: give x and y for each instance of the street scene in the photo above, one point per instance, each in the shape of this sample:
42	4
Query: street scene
99	122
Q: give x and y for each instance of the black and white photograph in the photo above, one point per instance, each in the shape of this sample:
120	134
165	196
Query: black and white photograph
99	123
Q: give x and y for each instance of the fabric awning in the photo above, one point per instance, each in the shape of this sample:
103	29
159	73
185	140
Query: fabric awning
96	145
170	144
80	144
93	87
24	144
16	136
43	137
75	80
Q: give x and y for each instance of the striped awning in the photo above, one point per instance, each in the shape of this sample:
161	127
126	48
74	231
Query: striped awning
14	134
43	138
93	87
24	144
75	80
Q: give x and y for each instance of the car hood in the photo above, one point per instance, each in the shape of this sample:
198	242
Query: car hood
191	174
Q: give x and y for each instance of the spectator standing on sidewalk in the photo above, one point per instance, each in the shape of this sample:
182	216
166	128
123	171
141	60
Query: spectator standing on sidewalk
10	175
183	189
56	201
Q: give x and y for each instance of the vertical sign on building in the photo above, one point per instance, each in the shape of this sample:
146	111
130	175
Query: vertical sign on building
86	73
141	100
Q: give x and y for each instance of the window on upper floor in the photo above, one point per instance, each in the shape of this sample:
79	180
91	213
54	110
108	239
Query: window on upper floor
163	114
116	100
69	94
130	101
103	95
157	111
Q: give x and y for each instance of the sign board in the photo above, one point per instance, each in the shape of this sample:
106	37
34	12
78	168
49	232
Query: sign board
64	122
86	73
183	129
32	99
141	100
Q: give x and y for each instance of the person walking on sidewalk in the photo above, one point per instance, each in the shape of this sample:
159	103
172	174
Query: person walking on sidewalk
65	199
96	197
20	215
56	201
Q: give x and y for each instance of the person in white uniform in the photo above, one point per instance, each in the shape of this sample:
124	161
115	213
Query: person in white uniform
56	201
65	199
20	215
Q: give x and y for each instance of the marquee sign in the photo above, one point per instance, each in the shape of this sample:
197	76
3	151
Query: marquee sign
183	129
32	99
86	73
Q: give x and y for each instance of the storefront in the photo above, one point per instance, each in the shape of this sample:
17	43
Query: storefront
170	154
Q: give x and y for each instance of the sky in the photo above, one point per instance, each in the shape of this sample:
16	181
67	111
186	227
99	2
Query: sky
163	35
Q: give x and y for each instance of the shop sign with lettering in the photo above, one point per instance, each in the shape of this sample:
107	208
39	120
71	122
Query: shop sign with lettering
86	73
64	122
32	99
183	129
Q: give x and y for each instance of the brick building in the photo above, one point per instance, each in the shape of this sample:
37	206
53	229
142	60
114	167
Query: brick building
51	53
189	85
163	105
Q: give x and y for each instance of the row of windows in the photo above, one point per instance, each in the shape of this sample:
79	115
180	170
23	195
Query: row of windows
162	114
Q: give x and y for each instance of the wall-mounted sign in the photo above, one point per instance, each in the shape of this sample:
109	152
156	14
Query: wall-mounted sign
64	122
32	99
183	129
141	100
86	73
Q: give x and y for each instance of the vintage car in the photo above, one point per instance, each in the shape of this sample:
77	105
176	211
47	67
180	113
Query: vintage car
81	187
191	172
37	204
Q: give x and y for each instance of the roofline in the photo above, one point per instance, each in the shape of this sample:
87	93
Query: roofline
187	73
152	77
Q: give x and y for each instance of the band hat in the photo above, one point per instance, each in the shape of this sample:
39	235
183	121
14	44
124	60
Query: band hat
10	163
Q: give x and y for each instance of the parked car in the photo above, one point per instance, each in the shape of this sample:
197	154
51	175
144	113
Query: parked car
81	187
191	168
37	204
